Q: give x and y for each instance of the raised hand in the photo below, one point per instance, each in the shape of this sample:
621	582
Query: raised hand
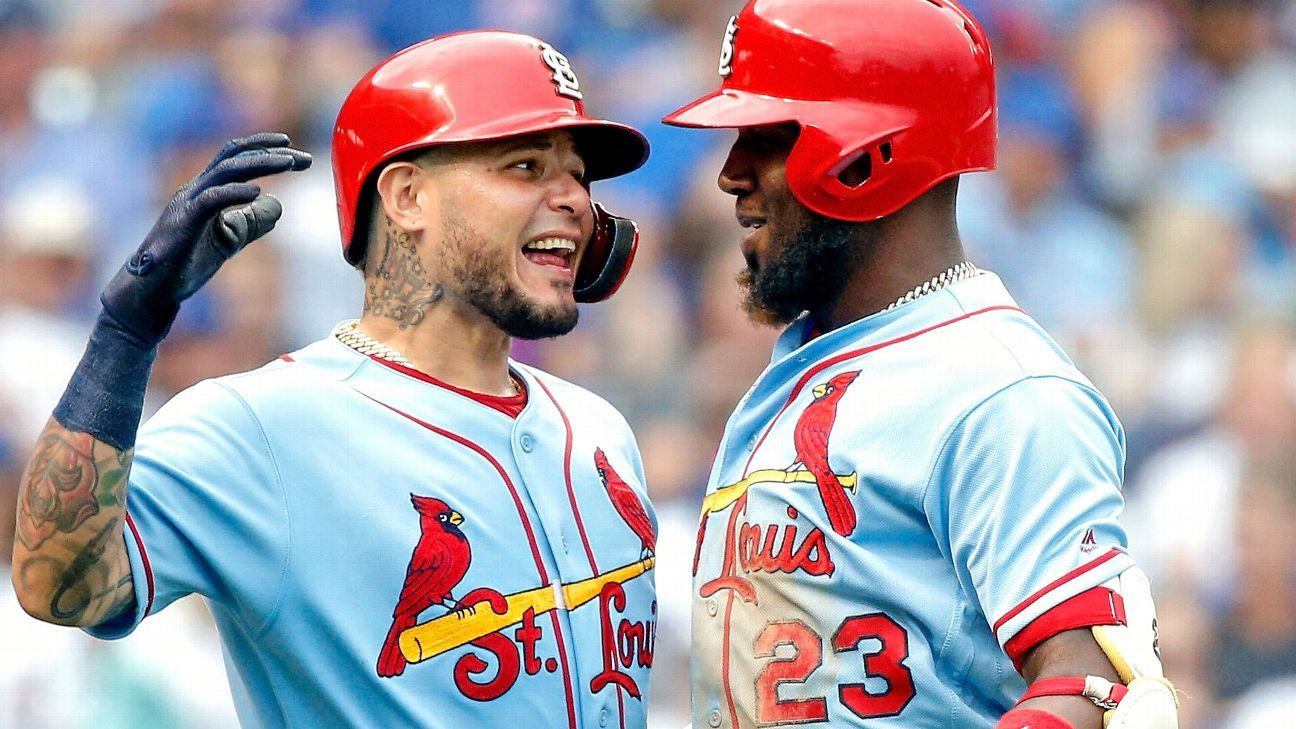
206	222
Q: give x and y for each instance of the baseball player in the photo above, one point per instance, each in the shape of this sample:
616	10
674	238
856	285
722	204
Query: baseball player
398	525
912	517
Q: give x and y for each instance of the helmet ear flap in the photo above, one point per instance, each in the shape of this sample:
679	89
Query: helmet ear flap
840	181
608	257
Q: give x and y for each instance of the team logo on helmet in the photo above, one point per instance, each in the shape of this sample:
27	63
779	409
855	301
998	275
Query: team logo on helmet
727	47
564	77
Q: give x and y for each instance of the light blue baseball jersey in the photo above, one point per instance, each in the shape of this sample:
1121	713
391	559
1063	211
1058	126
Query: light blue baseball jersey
381	550
899	510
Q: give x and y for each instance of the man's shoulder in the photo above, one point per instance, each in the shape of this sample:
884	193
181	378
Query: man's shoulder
301	376
973	349
997	333
956	357
326	360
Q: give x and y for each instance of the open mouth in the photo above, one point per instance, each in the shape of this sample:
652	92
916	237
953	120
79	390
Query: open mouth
556	252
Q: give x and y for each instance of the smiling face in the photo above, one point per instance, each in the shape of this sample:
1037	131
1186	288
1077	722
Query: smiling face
516	219
504	224
797	260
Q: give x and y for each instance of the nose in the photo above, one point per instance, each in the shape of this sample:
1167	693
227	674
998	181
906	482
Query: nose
736	174
569	196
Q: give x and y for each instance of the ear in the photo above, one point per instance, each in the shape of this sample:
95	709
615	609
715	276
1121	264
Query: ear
404	199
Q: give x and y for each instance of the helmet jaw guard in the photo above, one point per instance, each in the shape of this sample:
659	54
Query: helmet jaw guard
908	116
608	257
466	87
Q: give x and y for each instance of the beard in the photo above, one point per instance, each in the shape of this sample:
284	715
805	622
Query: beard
480	272
805	271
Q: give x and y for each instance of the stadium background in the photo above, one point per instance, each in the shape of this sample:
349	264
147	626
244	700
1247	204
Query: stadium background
1144	212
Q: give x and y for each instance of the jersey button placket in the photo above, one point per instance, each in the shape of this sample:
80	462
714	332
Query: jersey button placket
527	443
713	719
603	717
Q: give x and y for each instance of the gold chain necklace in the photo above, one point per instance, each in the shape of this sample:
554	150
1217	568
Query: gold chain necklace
348	334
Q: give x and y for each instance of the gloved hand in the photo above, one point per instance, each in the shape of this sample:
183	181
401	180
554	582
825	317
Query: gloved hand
193	238
1150	703
190	242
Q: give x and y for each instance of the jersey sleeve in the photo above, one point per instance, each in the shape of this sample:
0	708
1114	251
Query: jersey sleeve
1024	497
205	511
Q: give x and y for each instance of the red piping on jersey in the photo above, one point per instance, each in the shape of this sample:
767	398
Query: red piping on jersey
567	682
510	405
621	706
796	390
287	358
517	501
733	713
526	524
571	494
1054	585
1096	606
571	498
838	359
148	569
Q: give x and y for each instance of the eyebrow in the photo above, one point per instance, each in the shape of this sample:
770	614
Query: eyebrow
533	143
539	144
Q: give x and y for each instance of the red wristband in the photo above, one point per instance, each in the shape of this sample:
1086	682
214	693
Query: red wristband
1102	692
1032	719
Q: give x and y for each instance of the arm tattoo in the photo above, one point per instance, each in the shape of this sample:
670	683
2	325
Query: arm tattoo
71	511
399	288
59	491
88	573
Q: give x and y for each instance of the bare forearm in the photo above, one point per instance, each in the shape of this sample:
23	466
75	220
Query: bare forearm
1073	653
70	564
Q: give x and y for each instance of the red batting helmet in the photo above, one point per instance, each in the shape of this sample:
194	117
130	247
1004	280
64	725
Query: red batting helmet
473	86
904	87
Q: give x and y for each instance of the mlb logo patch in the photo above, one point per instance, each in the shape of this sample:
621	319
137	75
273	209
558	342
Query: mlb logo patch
1088	543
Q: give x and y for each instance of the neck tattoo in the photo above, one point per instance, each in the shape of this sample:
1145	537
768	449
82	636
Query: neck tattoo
348	334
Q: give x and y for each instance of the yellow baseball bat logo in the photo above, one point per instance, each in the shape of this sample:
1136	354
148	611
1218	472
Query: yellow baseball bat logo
723	498
463	626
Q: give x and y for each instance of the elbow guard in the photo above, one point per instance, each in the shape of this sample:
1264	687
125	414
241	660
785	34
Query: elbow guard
1146	700
1134	651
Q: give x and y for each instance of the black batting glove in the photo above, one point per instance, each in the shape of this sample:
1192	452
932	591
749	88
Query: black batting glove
210	219
200	229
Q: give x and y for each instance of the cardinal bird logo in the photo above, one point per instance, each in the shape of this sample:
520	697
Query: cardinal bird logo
439	562
811	440
627	502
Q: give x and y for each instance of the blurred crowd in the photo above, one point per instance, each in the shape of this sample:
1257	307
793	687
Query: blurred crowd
1144	211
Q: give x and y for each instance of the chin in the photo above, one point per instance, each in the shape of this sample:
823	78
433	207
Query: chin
762	316
541	326
551	301
528	317
758	309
